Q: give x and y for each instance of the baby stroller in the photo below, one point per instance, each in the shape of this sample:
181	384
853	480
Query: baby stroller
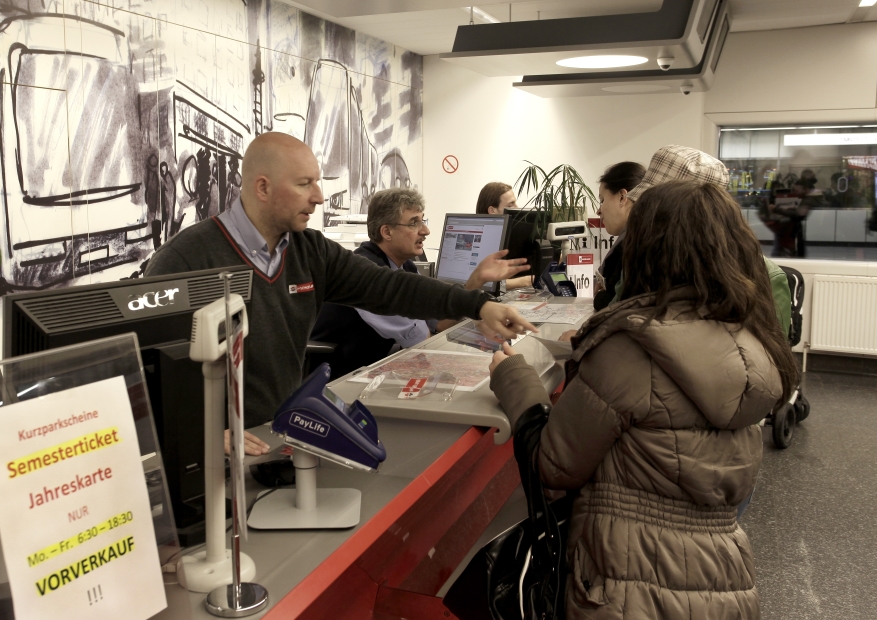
798	407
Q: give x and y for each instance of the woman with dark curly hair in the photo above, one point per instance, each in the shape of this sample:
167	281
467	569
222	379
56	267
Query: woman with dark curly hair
656	433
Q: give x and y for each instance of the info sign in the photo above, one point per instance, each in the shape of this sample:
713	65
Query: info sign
580	269
75	520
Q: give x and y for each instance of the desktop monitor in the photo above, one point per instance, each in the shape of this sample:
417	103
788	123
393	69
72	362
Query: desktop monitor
159	310
523	240
466	240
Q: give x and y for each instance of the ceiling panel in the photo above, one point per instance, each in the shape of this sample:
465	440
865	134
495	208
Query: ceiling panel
429	26
780	14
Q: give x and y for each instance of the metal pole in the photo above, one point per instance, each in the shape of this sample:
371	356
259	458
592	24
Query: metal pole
230	395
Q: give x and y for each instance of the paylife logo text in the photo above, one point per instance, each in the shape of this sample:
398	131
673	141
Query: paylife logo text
312	426
153	299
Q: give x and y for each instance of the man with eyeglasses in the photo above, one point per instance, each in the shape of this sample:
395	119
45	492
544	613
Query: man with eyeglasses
297	269
397	230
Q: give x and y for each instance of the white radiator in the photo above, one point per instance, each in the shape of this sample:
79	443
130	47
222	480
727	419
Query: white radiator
844	314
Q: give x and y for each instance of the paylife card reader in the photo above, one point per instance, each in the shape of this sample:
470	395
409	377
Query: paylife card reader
316	420
319	424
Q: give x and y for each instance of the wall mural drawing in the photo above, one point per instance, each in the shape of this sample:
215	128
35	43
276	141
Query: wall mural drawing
120	126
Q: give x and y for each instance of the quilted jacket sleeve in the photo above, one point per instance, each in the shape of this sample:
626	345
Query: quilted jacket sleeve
581	430
609	392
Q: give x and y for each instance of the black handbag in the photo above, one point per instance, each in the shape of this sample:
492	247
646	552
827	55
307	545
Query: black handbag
520	574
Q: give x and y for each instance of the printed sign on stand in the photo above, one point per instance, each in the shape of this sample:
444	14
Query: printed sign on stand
580	269
76	524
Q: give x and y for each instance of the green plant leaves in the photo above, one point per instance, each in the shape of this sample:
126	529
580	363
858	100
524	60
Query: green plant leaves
560	193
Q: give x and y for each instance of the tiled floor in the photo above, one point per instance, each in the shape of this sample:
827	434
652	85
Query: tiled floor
813	519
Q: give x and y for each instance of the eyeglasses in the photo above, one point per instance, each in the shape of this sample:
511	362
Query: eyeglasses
416	225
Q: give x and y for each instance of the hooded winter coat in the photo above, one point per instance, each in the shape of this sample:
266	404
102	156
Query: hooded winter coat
656	436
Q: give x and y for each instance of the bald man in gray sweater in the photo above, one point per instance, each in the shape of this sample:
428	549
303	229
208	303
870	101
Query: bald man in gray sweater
297	269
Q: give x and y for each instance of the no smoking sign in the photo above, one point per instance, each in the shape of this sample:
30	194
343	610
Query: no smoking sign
450	164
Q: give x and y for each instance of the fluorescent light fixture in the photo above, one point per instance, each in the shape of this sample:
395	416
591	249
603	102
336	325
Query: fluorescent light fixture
602	62
829	139
484	15
761	128
868	3
832	126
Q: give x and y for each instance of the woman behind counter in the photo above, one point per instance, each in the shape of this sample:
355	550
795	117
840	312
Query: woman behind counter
493	199
656	433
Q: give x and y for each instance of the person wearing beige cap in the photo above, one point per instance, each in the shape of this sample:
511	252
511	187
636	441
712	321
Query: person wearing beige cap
675	162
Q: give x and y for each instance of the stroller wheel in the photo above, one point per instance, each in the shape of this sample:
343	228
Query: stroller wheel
802	408
783	425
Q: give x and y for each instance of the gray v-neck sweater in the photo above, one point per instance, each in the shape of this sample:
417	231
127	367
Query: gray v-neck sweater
284	308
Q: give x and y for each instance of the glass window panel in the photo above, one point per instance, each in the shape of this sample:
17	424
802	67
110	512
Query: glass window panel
810	196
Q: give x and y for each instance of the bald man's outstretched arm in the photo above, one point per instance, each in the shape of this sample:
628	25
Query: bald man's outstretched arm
355	281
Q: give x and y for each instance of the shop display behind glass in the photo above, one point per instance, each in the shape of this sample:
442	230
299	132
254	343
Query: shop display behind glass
807	192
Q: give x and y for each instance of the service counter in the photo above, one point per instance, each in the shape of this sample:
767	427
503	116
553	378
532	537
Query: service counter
449	470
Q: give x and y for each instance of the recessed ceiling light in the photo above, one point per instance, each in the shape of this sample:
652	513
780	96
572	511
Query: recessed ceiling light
636	88
602	62
868	3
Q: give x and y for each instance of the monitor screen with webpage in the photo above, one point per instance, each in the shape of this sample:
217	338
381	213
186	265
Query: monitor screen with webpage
466	240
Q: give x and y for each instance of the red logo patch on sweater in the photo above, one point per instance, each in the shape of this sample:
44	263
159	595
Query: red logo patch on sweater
307	287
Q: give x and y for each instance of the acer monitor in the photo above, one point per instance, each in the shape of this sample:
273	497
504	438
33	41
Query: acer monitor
159	310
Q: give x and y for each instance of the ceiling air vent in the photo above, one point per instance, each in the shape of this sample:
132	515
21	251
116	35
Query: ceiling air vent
686	35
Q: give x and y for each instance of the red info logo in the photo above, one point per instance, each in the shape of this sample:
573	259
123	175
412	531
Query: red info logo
580	259
307	287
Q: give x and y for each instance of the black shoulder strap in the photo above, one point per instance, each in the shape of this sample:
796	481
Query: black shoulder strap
549	555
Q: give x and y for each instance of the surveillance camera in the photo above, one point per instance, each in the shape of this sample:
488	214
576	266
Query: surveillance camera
665	62
685	89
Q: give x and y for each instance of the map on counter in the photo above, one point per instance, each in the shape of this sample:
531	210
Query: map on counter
470	369
544	312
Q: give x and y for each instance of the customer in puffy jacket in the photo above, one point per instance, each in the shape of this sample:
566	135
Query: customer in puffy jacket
656	434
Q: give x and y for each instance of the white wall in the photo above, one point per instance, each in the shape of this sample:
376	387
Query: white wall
492	128
817	74
800	75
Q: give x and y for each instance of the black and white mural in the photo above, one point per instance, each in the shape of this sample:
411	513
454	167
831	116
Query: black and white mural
121	124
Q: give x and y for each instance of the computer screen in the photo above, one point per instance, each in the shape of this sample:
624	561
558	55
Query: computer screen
466	240
159	310
523	240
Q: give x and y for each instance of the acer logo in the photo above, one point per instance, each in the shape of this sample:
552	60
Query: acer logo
153	299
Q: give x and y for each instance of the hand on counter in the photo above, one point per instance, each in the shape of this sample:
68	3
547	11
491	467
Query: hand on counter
495	268
502	322
253	446
500	356
567	335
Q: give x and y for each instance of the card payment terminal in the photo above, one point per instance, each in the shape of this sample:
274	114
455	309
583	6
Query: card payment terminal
554	279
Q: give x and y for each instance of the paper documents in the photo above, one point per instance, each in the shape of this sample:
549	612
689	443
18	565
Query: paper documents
469	369
544	312
560	350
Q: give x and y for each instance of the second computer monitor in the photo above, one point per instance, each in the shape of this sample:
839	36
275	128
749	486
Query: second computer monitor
466	240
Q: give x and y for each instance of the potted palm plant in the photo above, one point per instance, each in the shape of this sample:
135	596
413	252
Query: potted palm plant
559	195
